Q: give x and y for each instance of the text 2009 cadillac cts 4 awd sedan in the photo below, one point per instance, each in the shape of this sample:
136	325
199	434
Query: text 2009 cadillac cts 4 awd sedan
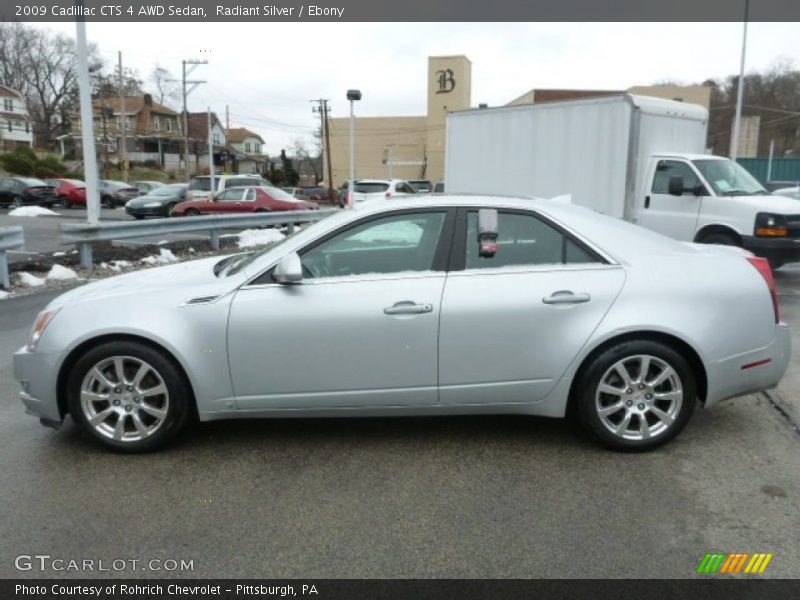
428	306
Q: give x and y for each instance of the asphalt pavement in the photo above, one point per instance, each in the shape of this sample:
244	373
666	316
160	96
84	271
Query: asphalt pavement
434	497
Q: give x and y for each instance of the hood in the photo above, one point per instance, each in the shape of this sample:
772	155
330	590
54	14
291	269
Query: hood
770	204
188	275
142	200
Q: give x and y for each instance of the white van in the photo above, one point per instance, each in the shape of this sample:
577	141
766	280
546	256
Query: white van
200	185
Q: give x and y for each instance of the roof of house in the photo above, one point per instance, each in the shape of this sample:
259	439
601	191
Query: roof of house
239	134
134	105
198	124
8	92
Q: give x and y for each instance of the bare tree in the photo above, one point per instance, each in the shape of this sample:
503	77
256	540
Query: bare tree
167	88
307	162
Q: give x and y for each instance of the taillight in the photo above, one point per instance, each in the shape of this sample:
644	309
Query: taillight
388	194
762	266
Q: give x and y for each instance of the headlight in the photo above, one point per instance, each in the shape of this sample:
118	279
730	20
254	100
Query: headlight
770	225
152	205
42	320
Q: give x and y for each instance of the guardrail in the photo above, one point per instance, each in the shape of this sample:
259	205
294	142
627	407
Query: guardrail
83	234
10	238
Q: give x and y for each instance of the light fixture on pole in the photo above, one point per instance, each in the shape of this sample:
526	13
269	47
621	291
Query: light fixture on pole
352	96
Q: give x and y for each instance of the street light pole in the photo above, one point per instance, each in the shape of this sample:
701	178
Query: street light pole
87	127
740	90
352	96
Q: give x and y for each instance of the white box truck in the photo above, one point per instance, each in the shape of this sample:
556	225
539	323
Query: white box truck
634	157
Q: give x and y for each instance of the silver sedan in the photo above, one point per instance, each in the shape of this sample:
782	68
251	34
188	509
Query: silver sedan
429	306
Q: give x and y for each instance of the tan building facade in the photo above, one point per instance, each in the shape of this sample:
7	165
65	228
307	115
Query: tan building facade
413	147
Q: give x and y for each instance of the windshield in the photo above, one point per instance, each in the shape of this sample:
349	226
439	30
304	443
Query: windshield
202	184
35	182
165	190
278	194
728	178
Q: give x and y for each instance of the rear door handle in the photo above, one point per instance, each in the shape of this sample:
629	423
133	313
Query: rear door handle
566	297
408	308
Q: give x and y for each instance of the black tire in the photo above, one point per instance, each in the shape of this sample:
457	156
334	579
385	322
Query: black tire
191	212
64	202
168	209
589	398
107	202
17	202
721	238
178	406
138	217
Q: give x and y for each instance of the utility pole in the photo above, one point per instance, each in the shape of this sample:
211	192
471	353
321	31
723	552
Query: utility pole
323	110
123	153
192	63
104	113
740	89
210	152
87	130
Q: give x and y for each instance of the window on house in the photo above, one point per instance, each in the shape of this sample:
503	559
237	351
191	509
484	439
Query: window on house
27	127
215	137
9	125
258	148
168	124
8	104
156	123
247	146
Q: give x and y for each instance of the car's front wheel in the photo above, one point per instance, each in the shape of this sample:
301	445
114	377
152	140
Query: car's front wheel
636	395
17	202
128	396
168	209
64	202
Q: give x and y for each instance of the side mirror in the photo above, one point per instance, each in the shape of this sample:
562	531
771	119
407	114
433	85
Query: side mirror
289	270
487	232
675	187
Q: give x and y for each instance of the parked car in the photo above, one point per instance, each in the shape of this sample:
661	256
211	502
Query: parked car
316	193
200	186
423	186
369	190
439	187
790	192
342	194
243	200
146	187
70	192
451	304
772	186
294	191
116	193
157	203
21	191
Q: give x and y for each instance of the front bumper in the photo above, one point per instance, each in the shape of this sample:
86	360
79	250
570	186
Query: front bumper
782	250
37	373
727	378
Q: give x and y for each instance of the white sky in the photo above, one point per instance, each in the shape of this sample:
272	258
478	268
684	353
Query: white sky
268	72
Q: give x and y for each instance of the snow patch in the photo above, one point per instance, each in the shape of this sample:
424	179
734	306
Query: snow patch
162	242
164	257
32	211
118	265
26	278
192	250
59	273
59	253
4	295
259	237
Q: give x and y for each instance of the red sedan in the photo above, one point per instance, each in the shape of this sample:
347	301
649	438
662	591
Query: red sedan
71	192
243	200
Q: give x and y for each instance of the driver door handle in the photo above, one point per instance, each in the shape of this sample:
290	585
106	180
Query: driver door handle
408	308
566	297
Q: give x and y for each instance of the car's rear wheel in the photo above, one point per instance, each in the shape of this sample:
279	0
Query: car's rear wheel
721	238
128	396
192	212
107	201
636	395
17	202
64	202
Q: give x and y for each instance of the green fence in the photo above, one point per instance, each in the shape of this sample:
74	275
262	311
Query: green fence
783	169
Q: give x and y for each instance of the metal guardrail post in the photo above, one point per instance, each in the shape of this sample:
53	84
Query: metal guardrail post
5	278
10	237
214	239
290	228
85	254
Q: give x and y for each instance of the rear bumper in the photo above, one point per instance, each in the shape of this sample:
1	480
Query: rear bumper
727	378
775	249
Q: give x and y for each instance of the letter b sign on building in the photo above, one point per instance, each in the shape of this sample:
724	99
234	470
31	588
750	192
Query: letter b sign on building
445	81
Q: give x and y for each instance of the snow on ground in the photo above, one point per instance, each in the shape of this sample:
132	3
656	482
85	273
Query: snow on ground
4	295
165	256
258	237
32	211
30	280
59	253
60	273
159	243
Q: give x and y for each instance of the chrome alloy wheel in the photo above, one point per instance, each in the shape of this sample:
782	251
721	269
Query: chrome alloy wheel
639	397
124	399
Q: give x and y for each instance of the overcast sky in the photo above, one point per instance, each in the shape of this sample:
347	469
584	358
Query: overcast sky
268	72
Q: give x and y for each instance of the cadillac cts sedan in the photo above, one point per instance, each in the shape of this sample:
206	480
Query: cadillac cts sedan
429	306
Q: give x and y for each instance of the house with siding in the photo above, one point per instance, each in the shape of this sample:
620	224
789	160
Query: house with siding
15	123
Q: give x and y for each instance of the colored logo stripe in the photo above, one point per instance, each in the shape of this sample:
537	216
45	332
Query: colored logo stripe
734	563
